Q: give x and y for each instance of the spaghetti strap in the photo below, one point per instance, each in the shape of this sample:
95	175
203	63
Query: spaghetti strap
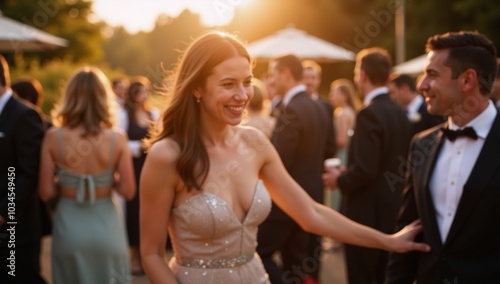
59	143
112	149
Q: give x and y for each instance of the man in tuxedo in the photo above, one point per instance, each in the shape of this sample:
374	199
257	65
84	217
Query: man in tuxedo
403	91
21	133
311	78
302	139
370	194
453	180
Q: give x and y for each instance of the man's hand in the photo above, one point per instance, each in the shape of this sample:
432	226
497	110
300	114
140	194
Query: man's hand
330	176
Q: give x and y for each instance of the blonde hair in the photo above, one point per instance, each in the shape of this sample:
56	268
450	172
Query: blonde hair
346	87
87	100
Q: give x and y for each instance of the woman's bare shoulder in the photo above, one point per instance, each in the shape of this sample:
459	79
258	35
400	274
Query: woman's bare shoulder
166	150
119	134
250	132
51	133
50	140
254	137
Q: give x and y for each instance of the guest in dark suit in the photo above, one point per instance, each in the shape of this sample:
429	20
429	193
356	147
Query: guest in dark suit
369	193
453	184
311	78
21	133
301	138
403	91
30	90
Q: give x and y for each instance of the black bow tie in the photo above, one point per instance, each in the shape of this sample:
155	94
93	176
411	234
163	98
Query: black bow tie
454	134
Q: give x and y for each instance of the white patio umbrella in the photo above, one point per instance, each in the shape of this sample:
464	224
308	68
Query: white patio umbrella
16	36
299	43
412	66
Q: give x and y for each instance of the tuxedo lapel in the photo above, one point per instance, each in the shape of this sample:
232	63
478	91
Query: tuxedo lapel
431	150
486	165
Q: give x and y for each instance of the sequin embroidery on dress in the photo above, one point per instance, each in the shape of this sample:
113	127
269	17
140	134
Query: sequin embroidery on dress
211	245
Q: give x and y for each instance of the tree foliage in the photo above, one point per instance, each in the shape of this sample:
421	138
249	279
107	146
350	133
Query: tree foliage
146	53
62	18
352	24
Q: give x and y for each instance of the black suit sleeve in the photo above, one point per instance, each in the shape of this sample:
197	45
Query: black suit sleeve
28	134
331	143
286	135
366	151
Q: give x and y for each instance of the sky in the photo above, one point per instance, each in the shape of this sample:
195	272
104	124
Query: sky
140	15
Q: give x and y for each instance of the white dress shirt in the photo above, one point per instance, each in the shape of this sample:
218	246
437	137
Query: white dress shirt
4	98
414	105
374	93
453	167
315	96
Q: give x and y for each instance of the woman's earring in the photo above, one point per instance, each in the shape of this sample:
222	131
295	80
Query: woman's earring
198	99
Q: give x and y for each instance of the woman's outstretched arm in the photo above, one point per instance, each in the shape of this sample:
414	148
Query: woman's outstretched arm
322	220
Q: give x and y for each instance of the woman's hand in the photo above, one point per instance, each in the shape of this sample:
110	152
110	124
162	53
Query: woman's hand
402	241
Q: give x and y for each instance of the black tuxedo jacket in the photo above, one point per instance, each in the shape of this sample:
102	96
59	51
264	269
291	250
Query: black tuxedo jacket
373	182
426	120
21	133
332	139
303	137
471	252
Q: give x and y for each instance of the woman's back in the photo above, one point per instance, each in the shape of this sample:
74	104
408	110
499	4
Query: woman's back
86	167
85	161
85	155
88	237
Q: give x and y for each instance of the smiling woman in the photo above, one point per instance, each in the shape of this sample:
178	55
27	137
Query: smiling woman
141	15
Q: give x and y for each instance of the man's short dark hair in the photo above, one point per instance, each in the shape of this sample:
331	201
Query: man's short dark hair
468	50
377	64
403	79
291	62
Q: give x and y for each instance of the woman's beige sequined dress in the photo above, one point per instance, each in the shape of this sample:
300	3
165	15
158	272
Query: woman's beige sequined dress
212	246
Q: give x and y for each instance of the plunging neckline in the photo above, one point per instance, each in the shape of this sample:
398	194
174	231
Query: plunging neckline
241	222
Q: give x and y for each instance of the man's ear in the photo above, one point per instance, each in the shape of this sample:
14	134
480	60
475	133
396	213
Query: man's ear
362	75
468	80
405	88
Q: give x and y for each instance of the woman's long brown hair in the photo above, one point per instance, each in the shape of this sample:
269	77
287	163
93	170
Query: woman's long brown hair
181	119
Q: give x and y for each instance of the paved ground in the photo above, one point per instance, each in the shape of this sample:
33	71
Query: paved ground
333	271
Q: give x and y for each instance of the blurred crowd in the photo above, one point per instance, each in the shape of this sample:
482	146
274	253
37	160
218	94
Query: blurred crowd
76	172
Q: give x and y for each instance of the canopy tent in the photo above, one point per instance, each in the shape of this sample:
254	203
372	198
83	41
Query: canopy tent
299	43
16	36
412	66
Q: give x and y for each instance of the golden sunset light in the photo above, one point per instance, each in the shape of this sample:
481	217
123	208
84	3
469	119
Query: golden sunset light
140	15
